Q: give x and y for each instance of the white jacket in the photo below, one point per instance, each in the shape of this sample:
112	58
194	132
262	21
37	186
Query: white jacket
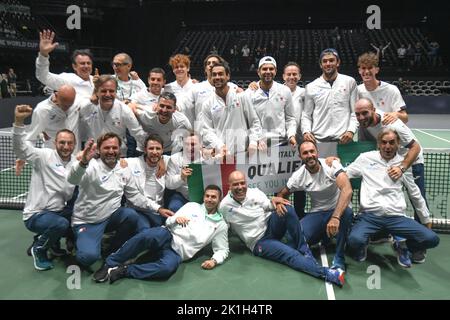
198	233
228	122
101	190
379	193
249	218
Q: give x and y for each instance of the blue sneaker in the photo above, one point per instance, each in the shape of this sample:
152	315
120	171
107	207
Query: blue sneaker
402	253
40	259
335	276
338	263
361	255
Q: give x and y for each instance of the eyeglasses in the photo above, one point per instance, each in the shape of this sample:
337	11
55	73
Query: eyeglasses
118	64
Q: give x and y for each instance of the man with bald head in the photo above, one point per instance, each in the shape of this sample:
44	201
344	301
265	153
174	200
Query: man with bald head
261	223
59	111
371	124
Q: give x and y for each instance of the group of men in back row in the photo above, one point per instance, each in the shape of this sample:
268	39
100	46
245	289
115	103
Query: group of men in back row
185	122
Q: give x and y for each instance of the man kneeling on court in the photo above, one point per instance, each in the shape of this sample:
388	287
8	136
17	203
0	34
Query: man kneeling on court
382	202
102	183
261	223
330	192
192	228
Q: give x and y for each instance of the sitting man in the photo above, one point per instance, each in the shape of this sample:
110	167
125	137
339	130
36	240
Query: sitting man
383	203
191	229
261	223
330	192
46	211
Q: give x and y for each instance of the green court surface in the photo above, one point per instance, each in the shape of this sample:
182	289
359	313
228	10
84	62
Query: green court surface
241	277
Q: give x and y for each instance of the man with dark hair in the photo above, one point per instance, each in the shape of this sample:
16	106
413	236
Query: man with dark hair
328	111
191	229
330	192
102	183
165	121
46	212
261	223
81	80
110	114
382	201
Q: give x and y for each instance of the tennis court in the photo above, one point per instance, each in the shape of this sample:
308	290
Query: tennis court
243	276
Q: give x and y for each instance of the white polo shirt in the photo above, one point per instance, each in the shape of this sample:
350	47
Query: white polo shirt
379	193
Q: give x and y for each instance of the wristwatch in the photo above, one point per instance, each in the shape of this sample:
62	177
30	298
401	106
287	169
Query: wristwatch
402	167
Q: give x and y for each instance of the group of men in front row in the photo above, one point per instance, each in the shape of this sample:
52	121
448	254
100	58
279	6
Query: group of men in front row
268	113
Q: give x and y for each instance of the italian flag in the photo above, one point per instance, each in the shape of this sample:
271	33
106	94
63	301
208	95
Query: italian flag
206	174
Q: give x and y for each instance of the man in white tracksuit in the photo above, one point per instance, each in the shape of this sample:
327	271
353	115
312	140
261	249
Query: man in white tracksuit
46	212
110	115
273	105
81	80
165	121
382	202
191	229
329	100
228	121
102	183
261	223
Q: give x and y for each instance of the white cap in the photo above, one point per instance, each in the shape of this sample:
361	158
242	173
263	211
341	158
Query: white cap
267	59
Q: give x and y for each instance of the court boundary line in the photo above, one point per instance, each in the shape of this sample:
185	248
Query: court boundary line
432	135
328	286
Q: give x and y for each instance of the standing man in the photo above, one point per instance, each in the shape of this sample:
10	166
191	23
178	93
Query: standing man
102	183
229	122
384	96
45	211
128	81
372	123
191	229
144	169
291	76
328	112
261	223
330	192
273	105
383	203
180	64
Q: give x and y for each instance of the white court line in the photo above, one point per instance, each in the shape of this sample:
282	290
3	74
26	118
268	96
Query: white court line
7	169
328	286
432	135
